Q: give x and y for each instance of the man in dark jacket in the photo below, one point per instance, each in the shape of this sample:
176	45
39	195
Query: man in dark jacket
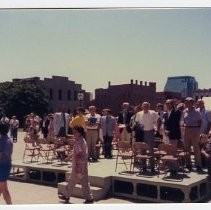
124	122
172	123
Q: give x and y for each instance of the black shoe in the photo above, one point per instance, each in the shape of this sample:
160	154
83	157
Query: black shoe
189	168
152	170
144	170
62	197
173	173
199	169
89	201
94	160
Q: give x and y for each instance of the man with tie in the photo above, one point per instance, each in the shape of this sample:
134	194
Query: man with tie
61	122
124	122
108	125
172	123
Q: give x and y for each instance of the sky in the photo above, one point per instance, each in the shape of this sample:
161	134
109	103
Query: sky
94	46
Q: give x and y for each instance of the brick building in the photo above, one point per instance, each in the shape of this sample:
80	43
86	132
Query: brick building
134	93
163	96
61	90
200	93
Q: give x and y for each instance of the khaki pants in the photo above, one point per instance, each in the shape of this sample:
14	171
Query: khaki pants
79	178
125	136
91	139
173	142
191	138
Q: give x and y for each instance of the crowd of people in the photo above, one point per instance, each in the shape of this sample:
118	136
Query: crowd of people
171	122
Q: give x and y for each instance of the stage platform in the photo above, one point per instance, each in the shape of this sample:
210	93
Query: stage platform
192	187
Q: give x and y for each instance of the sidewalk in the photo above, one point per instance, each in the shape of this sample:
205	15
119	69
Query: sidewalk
28	193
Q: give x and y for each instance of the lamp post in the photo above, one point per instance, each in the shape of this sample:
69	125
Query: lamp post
80	97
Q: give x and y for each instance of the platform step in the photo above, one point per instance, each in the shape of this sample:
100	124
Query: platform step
102	182
98	192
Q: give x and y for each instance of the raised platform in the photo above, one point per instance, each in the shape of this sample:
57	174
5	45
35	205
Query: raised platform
103	180
193	188
39	172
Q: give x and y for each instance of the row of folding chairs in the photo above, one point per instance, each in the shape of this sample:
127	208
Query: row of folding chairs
47	150
164	156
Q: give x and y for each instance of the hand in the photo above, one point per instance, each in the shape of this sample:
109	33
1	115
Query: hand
208	155
166	132
66	159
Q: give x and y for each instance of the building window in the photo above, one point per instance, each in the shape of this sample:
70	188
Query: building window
51	93
69	95
60	95
75	95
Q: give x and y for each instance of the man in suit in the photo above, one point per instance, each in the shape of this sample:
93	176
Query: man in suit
61	122
124	118
108	126
172	123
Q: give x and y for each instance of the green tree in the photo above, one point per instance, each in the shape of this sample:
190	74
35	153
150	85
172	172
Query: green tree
22	97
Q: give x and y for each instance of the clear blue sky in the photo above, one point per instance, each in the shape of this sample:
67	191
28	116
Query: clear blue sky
93	47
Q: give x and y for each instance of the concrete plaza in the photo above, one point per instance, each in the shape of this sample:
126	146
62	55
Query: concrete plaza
30	193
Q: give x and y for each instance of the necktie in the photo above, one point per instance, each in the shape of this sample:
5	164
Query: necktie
106	125
124	117
64	121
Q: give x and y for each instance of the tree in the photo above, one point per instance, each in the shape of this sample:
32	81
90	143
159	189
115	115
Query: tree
21	97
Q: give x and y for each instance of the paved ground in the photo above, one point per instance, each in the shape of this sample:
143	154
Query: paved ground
28	193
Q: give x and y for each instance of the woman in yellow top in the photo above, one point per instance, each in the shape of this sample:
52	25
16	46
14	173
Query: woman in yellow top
79	120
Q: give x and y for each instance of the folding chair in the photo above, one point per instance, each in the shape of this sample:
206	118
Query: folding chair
141	155
46	149
31	150
125	154
64	147
170	159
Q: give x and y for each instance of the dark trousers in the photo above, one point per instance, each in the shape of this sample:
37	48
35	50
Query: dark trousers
149	138
14	133
45	132
107	144
208	162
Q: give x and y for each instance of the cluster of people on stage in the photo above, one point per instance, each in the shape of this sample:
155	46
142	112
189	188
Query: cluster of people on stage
180	124
173	122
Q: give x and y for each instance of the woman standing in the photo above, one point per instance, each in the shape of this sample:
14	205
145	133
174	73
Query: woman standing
6	148
79	167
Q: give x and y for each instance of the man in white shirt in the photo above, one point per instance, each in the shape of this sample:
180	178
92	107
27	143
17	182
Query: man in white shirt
148	120
61	122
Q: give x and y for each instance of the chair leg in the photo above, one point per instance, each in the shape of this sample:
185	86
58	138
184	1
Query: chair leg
24	154
131	162
116	162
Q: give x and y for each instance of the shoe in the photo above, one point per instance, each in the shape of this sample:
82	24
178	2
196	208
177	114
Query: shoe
94	160
189	168
152	170
144	170
173	173
199	169
62	197
89	201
